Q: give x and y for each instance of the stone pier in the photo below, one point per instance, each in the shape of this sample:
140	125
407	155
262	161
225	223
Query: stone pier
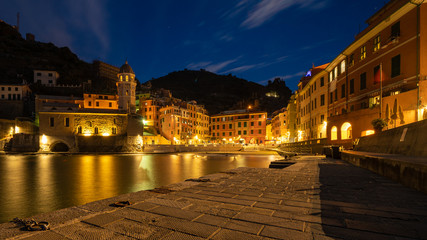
315	198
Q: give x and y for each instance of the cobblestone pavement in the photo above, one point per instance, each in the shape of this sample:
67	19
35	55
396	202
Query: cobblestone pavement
316	198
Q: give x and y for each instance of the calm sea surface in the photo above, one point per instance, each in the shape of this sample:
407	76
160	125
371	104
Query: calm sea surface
33	184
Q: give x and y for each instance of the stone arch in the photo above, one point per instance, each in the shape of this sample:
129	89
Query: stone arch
346	131
59	146
334	133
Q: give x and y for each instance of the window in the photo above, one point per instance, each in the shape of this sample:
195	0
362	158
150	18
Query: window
50	74
362	52
230	126
79	130
351	60
9	88
377	43
346	131
229	134
322	81
39	74
334	133
50	81
239	124
89	103
51	121
343	91
336	94
110	104
395	66
331	97
377	77
127	78
244	132
239	132
322	118
395	30
223	126
223	134
67	122
245	124
343	66
96	130
16	89
2	88
252	131
322	100
252	124
363	81
2	96
97	104
351	86
259	123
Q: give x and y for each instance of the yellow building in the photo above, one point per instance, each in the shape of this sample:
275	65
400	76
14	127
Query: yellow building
312	102
98	122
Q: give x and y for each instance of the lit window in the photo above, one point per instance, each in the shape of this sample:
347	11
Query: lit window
343	66
334	133
377	43
346	131
127	78
362	52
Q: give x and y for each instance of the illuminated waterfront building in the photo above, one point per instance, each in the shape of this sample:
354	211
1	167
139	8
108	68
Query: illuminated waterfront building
312	104
382	74
96	122
239	126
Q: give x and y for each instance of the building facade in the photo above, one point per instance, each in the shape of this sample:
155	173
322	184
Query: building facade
381	74
45	77
241	126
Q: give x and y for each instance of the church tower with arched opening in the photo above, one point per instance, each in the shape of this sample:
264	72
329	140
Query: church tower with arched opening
126	85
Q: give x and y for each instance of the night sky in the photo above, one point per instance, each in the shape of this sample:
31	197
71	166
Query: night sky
254	40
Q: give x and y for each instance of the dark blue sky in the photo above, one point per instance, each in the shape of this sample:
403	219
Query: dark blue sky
254	40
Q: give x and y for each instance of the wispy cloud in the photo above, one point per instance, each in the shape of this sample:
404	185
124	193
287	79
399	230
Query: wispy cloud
267	9
198	65
65	22
216	67
240	69
284	77
211	67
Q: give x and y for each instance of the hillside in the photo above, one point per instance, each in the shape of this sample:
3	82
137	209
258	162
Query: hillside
19	56
222	92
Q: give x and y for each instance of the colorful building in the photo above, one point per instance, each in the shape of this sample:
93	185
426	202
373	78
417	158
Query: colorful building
240	126
381	74
96	122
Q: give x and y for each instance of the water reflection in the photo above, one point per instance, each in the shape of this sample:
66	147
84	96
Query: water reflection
32	184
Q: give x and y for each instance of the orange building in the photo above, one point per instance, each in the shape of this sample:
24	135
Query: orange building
381	74
239	126
99	101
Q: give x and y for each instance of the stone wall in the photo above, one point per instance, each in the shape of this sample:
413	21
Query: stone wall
410	140
101	143
311	146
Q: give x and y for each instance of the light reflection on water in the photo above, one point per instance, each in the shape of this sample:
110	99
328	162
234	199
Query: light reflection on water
32	184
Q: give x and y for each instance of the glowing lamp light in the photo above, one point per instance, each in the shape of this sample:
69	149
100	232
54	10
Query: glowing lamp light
105	134
87	134
16	130
44	139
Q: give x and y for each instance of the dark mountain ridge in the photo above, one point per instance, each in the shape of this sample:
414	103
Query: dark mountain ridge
223	92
